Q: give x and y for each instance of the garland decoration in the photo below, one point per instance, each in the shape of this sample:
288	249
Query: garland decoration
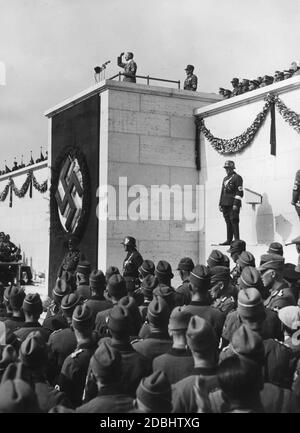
292	118
236	144
21	192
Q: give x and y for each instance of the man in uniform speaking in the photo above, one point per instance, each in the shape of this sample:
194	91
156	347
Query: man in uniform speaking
231	201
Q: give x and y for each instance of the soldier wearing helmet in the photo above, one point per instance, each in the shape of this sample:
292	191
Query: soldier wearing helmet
131	264
231	201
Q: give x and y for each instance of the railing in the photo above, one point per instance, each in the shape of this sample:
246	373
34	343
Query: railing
148	78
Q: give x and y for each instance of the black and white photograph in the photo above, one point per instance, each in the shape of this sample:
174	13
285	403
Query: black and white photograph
149	209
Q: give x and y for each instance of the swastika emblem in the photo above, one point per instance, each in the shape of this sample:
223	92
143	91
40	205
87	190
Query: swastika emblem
69	194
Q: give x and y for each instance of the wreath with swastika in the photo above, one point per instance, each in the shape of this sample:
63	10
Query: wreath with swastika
85	192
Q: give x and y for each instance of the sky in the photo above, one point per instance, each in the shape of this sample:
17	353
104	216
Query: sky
50	48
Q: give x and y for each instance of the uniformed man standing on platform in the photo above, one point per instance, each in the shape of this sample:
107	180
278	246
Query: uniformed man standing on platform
231	201
131	264
296	193
191	81
129	66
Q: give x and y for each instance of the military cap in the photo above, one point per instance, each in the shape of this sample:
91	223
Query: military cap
33	351
32	304
7	293
116	286
246	259
290	273
82	318
185	264
112	270
8	355
216	258
61	289
158	312
130	304
248	344
290	316
106	362
149	283
167	293
235	80
97	279
69	302
295	241
250	277
119	319
179	319
155	392
129	240
275	248
272	261
250	304
146	268
84	268
201	335
237	246
229	164
200	276
189	68
70	279
17	296
17	396
219	273
163	269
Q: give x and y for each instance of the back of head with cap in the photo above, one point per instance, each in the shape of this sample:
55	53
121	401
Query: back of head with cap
250	304
116	287
106	364
179	319
271	261
275	248
61	289
119	321
186	264
248	344
32	305
154	392
163	272
246	259
17	296
34	351
149	283
216	258
69	303
146	268
158	313
200	278
83	319
130	304
97	281
201	336
250	277
220	274
112	270
167	293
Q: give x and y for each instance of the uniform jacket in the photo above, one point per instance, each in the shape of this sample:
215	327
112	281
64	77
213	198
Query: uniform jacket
207	312
232	190
185	291
183	394
279	298
28	327
110	399
131	264
176	364
61	344
73	373
153	345
225	304
97	304
273	399
47	396
130	68
296	189
271	326
191	82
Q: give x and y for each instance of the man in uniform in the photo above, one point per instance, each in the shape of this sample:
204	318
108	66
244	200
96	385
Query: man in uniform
191	81
201	299
73	373
154	394
83	271
97	302
272	276
231	201
296	193
236	88
221	291
185	266
131	264
130	67
71	258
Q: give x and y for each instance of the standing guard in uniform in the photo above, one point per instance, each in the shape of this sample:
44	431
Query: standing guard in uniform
185	266
191	81
231	201
131	264
129	67
296	193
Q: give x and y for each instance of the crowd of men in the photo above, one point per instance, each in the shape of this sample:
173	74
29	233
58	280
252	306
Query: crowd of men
245	85
225	340
17	166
